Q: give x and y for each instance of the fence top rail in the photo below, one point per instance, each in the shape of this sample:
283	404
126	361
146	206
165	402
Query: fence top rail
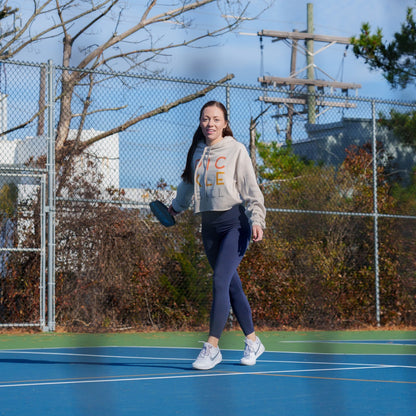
19	171
341	213
228	84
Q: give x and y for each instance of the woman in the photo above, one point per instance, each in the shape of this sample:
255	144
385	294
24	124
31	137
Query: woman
220	177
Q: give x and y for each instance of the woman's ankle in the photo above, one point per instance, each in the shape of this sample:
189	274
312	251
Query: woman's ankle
213	341
251	337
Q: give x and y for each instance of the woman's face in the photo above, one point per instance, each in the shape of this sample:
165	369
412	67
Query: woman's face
212	123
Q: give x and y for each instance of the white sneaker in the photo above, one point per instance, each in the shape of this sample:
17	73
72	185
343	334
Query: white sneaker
252	351
208	357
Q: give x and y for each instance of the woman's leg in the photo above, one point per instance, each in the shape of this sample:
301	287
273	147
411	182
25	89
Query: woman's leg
241	307
226	238
225	244
224	264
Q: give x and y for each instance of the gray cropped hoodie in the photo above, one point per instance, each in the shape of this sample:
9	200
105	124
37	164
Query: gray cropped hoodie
223	177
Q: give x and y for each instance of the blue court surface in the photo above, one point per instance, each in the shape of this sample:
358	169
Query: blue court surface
160	381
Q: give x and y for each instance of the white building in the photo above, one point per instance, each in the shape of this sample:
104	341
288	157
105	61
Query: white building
104	153
7	151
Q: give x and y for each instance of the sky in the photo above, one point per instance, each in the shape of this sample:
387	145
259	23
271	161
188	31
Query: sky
239	52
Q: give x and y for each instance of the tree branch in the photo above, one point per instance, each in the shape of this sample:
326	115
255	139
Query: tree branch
142	24
147	11
104	13
21	32
212	34
160	110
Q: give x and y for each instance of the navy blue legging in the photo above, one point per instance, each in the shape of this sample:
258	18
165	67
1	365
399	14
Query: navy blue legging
226	235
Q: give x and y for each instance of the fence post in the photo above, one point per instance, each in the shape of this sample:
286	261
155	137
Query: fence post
43	253
227	100
375	213
51	196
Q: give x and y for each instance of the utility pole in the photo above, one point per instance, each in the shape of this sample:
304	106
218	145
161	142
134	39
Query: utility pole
310	67
290	107
309	101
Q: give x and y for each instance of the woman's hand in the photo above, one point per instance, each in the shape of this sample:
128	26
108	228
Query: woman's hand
172	211
257	233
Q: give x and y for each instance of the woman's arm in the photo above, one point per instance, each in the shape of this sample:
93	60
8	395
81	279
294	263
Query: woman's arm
250	191
183	198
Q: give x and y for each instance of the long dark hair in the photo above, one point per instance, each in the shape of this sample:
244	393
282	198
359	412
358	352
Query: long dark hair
199	137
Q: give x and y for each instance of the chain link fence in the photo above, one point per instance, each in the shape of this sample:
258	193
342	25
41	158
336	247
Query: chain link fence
339	245
23	196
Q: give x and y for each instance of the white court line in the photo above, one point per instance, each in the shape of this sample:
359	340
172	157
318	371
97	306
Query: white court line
95	355
24	350
118	380
135	357
388	342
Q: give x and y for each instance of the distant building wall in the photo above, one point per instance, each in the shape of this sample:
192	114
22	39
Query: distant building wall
3	114
7	151
105	152
327	143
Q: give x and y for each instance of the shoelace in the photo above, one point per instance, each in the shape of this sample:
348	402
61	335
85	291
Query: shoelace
205	350
249	349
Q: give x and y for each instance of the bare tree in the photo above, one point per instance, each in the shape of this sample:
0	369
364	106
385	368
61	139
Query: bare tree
117	45
7	14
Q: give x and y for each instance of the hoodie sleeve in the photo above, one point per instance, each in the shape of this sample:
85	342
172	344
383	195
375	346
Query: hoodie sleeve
249	190
183	198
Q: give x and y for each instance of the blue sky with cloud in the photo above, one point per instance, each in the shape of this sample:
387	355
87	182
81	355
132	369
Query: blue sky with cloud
239	52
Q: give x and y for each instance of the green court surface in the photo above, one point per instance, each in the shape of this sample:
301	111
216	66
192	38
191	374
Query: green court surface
342	342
